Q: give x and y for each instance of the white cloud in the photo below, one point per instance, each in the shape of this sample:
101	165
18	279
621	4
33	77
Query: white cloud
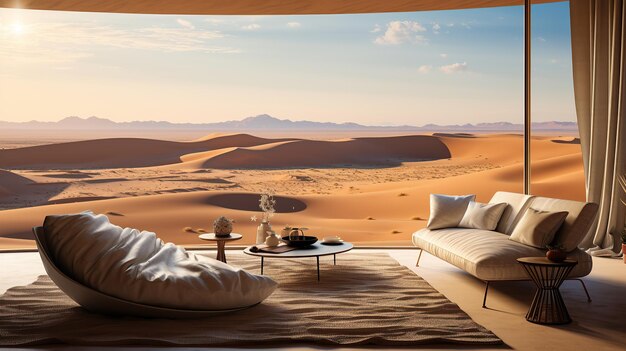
214	21
72	42
454	68
399	32
185	23
251	26
376	29
541	39
425	69
443	55
294	24
25	55
436	28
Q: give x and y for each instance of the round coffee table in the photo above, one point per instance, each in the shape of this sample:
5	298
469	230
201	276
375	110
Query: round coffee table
316	250
221	242
548	306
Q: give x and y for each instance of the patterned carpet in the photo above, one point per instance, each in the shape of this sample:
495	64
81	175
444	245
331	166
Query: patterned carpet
366	299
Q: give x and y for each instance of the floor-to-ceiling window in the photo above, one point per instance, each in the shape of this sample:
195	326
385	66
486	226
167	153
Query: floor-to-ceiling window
351	121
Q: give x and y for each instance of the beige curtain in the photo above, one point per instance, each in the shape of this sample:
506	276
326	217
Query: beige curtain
599	63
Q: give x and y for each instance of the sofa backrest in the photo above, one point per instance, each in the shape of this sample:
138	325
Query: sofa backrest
580	215
580	218
517	205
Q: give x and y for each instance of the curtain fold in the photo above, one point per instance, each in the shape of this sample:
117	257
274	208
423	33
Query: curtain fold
599	67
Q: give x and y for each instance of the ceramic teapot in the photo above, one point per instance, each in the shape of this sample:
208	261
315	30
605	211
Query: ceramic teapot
285	231
272	239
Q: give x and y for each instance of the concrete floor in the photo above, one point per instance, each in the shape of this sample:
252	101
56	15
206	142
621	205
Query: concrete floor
598	325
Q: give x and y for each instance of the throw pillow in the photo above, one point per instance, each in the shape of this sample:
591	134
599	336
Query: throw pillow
482	216
447	211
137	266
538	228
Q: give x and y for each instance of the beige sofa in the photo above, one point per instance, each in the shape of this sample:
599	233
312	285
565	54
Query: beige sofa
491	256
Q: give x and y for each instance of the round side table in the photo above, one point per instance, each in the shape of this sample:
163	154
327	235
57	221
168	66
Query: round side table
548	306
221	243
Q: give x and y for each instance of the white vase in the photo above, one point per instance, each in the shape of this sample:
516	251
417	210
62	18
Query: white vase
261	232
272	239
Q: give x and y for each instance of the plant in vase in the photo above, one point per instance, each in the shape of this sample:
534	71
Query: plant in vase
556	253
222	227
267	204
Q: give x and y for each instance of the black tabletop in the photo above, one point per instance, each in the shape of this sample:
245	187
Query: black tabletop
543	261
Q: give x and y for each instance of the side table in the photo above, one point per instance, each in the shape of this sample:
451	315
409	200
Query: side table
548	306
221	242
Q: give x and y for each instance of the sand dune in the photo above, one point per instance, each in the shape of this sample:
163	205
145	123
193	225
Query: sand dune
545	169
455	135
367	203
367	152
12	184
250	202
116	153
567	141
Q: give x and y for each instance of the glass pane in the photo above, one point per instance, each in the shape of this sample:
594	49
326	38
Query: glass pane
557	166
350	120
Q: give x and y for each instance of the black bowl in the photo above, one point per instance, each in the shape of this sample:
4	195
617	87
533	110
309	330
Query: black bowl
300	241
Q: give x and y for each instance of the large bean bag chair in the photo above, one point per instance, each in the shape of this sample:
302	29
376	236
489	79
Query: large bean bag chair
115	270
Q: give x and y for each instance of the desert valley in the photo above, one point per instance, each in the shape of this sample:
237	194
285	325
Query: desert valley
371	190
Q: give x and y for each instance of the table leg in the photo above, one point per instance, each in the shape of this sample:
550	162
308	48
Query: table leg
221	254
318	268
335	260
262	259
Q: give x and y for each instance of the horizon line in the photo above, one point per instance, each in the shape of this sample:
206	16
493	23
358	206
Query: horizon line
287	120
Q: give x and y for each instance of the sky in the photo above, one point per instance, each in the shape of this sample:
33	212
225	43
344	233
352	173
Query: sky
444	67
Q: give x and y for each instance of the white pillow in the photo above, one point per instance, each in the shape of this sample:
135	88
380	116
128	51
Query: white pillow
482	216
137	266
538	228
447	211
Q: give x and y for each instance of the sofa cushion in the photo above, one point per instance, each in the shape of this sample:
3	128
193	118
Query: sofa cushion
538	228
579	220
447	211
137	266
482	216
517	204
487	255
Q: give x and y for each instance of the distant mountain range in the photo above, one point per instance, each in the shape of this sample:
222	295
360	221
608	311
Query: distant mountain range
269	123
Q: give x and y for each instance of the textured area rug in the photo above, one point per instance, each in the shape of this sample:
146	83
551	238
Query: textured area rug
364	299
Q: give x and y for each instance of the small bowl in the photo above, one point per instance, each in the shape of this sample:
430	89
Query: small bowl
300	241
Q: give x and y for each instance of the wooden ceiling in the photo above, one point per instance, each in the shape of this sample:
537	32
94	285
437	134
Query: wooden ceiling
256	7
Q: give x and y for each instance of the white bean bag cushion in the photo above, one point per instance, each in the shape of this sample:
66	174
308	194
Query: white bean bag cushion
138	267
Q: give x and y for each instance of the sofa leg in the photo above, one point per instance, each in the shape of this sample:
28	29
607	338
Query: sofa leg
417	264
485	297
585	288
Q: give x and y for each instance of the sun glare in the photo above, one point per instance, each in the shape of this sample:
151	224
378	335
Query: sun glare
16	28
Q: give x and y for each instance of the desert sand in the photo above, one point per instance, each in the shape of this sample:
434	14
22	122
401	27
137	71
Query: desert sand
371	191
